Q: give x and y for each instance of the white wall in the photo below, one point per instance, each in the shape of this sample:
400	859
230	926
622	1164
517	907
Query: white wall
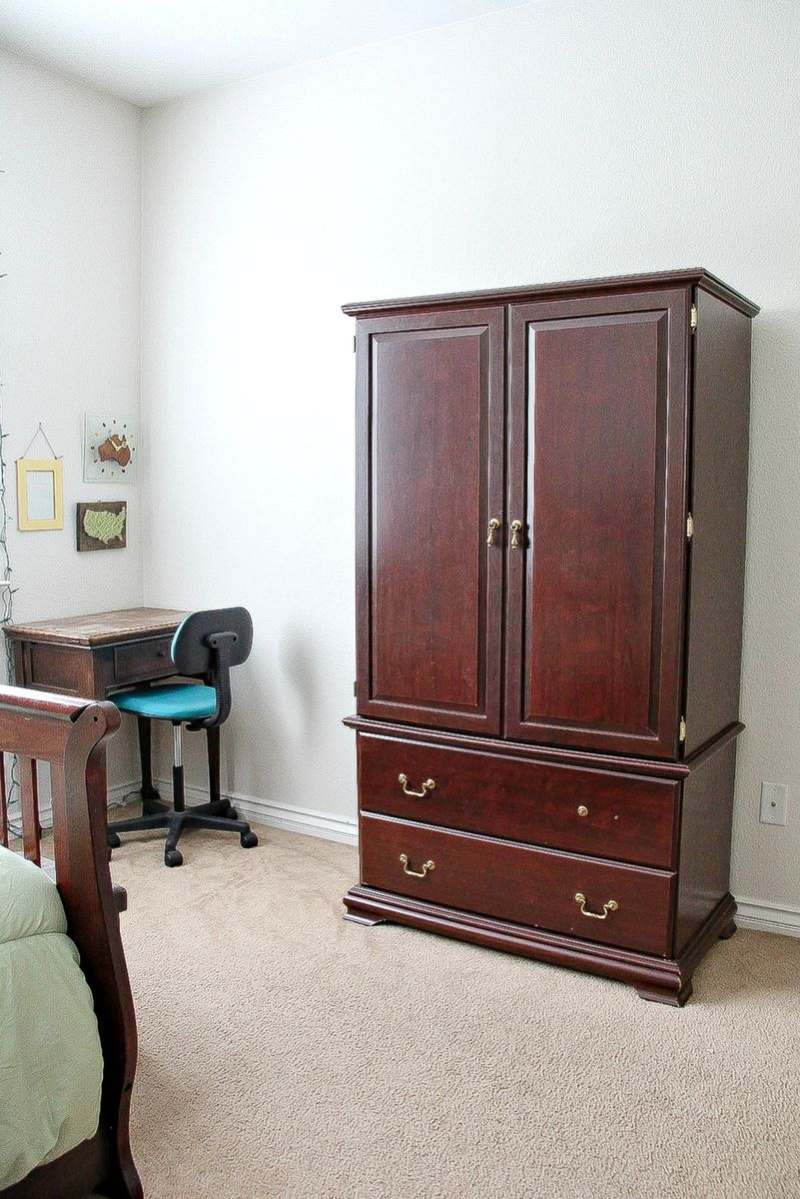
561	140
70	236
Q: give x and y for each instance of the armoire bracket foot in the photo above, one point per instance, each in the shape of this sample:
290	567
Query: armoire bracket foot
367	921
664	995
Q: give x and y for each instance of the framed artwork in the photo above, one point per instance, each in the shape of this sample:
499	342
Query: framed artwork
109	448
40	494
102	526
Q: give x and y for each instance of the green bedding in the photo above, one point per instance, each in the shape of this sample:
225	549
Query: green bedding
51	1065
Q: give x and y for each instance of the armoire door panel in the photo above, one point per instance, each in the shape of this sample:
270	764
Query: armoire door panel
429	450
594	482
598	402
434	412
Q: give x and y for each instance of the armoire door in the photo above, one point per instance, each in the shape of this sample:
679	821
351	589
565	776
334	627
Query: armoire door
431	427
598	409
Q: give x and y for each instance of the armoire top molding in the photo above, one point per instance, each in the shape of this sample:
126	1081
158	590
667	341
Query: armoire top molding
690	276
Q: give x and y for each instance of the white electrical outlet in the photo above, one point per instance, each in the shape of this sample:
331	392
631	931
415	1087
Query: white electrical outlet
774	799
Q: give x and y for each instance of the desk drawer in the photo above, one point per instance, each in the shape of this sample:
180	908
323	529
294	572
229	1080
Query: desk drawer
140	660
627	817
631	905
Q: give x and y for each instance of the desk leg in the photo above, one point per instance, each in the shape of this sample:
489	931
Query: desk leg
213	763
145	758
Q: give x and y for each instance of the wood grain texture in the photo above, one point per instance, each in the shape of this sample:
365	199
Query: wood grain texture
520	883
719	453
66	668
705	842
147	658
72	1175
429	447
431	400
99	627
3	802
688	277
144	730
72	739
597	812
94	656
583	759
657	994
29	805
596	465
612	427
592	581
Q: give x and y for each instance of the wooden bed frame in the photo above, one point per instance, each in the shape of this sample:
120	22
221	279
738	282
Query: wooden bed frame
71	735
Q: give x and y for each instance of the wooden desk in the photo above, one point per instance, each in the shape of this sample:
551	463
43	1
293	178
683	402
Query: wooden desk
92	657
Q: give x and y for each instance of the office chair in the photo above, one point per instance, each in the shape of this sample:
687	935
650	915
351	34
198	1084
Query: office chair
205	646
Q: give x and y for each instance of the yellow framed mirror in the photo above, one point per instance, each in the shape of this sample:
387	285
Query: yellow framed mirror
40	497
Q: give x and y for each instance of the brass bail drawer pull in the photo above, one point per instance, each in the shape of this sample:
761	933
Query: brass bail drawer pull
427	786
429	865
611	906
494	525
516	534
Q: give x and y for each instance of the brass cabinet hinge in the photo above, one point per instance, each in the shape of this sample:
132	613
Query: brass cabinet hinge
355	688
693	318
682	731
689	527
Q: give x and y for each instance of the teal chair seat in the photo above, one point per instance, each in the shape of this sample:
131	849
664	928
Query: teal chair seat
179	702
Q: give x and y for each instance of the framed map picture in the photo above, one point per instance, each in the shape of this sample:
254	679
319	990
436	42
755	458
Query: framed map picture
109	448
102	526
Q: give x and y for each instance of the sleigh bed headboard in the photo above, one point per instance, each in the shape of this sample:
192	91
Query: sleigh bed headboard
70	735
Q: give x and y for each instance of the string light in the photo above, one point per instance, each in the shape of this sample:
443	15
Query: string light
7	592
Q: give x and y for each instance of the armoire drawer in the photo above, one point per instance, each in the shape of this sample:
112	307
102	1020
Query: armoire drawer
629	906
603	813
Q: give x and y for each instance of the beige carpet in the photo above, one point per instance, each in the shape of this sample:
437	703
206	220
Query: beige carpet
287	1054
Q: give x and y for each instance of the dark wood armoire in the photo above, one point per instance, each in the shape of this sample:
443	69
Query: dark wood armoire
552	493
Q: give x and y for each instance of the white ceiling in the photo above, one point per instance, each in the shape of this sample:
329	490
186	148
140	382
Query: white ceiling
147	51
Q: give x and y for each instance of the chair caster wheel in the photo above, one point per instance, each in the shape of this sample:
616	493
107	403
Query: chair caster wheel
248	840
114	841
173	857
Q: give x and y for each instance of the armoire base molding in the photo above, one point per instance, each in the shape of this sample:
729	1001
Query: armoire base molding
661	980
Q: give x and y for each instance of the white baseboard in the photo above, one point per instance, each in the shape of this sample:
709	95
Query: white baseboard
767	917
294	820
122	793
117	795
